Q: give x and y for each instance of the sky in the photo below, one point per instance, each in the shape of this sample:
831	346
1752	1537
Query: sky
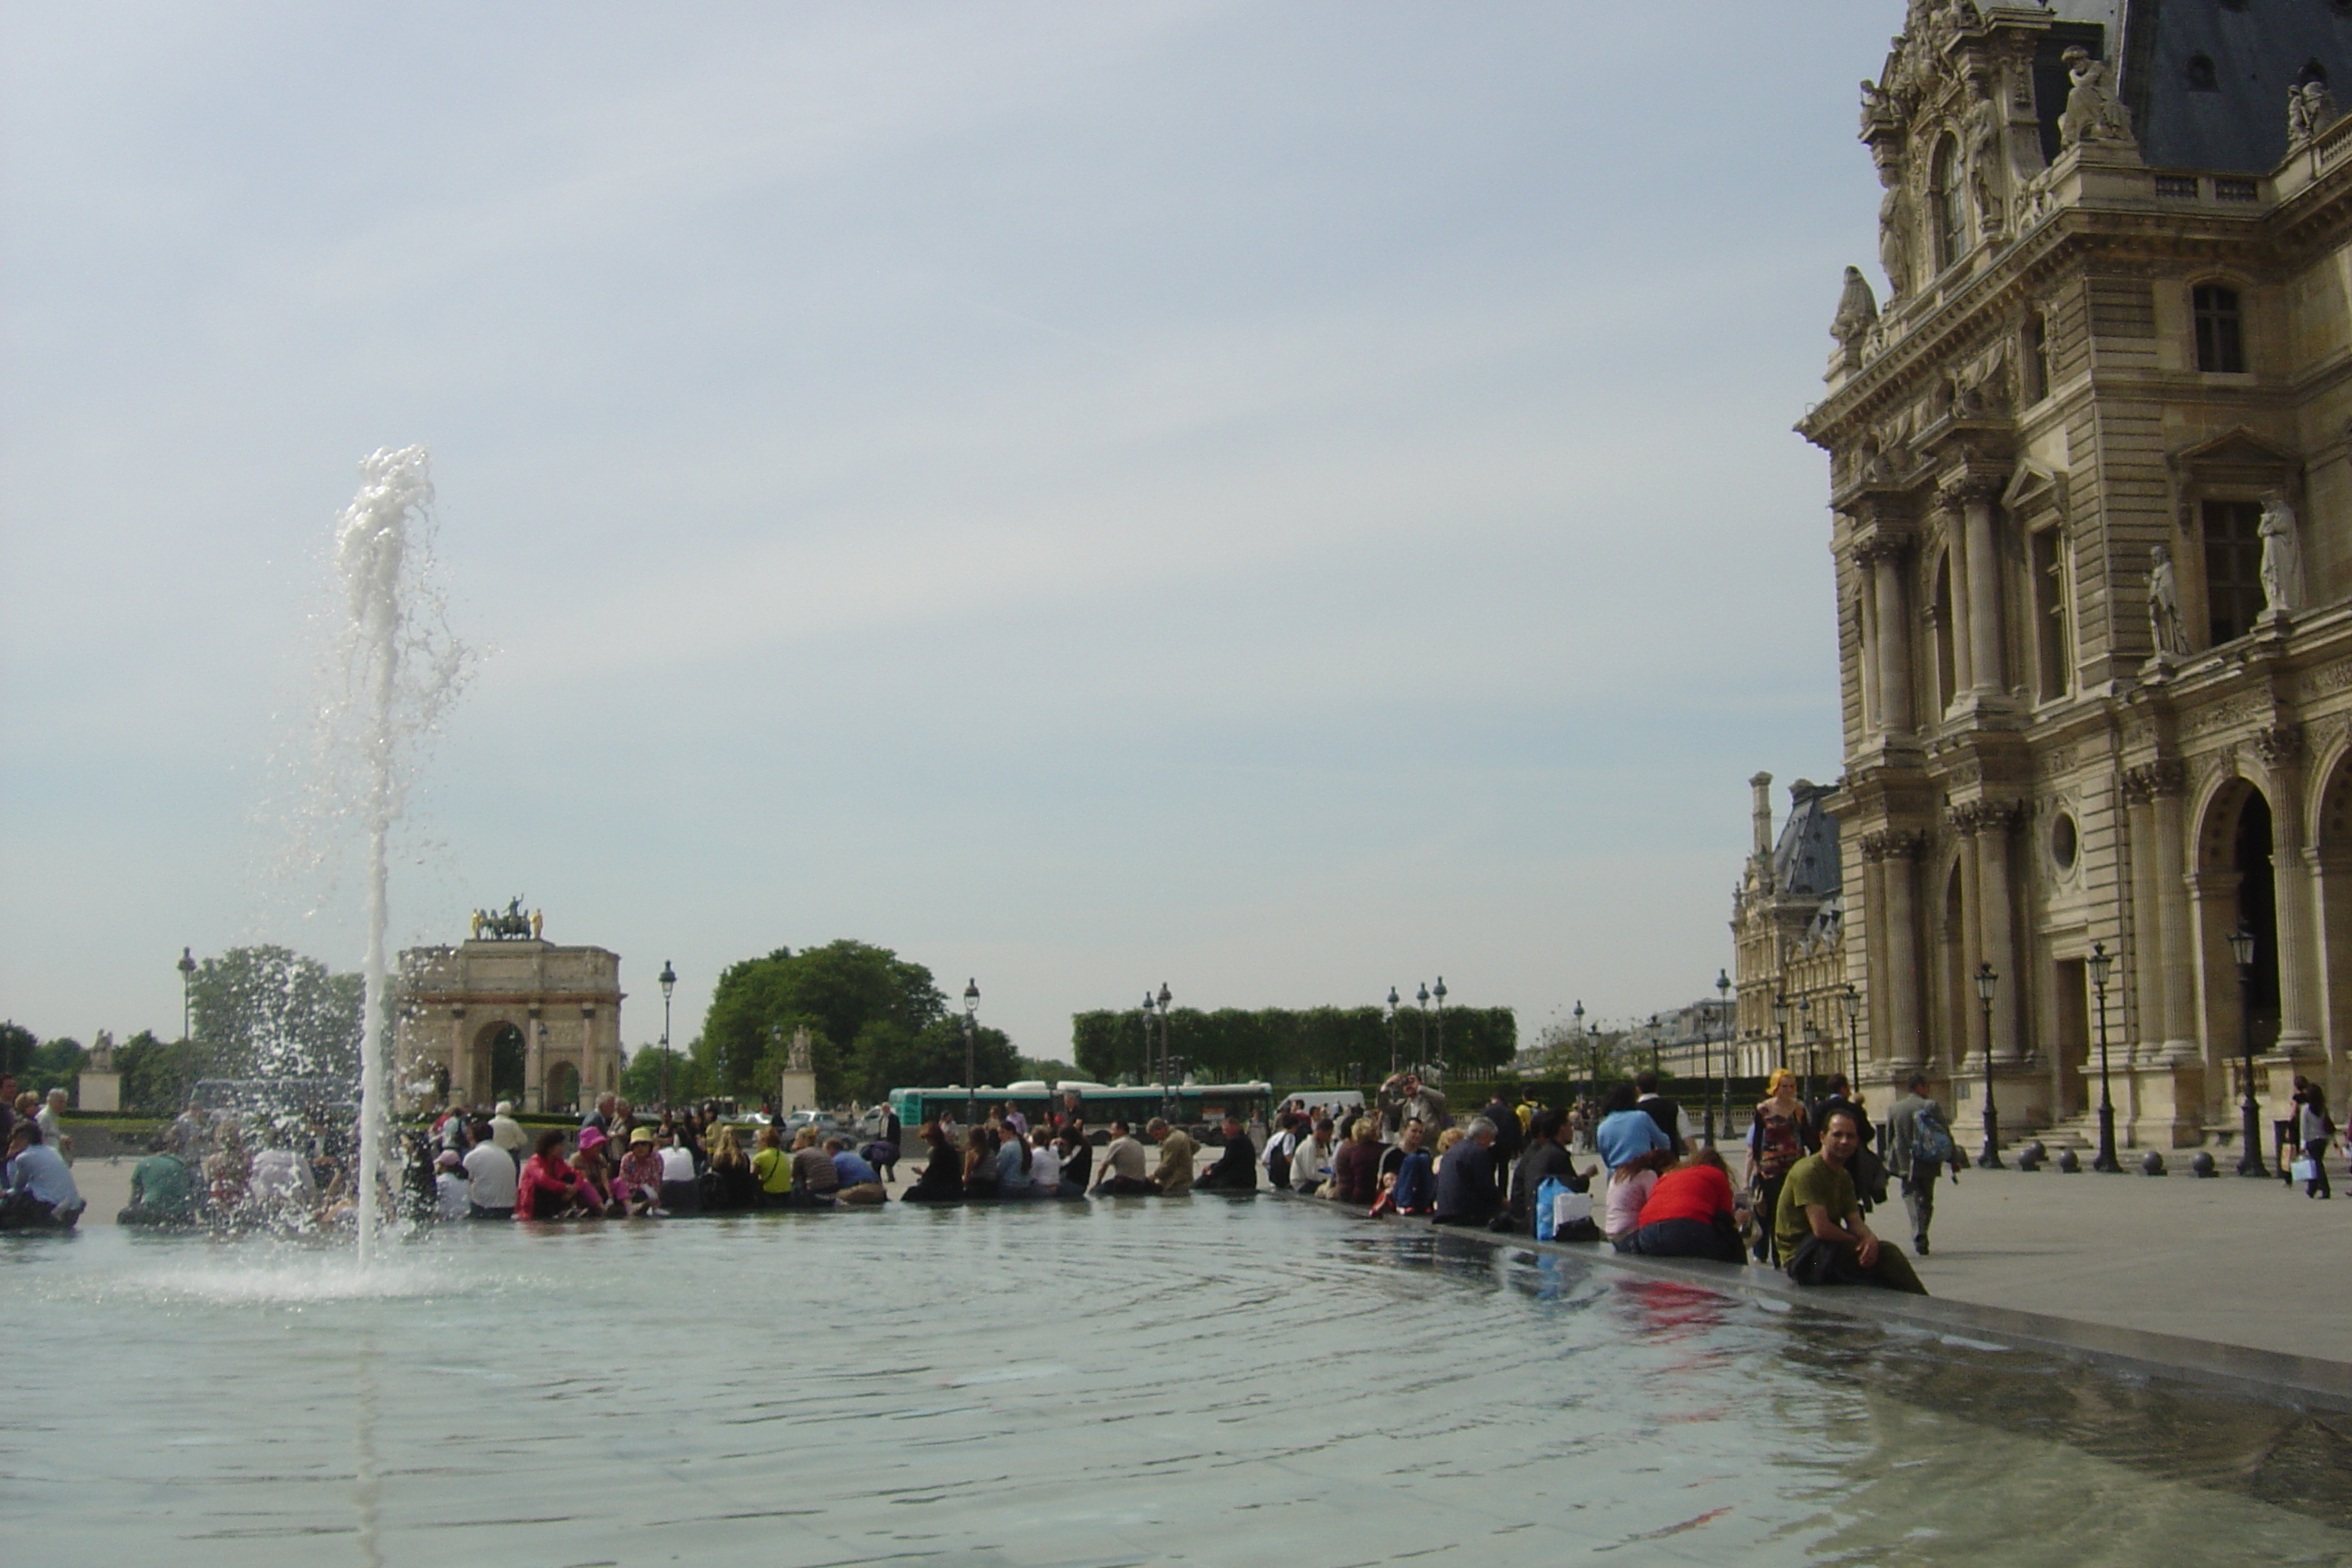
1282	500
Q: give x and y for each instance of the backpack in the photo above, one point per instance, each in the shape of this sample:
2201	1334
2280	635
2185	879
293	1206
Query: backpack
1931	1141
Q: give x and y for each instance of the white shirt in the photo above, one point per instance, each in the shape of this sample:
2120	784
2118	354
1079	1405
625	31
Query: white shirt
490	1176
1311	1165
507	1133
678	1165
283	1175
454	1194
1045	1170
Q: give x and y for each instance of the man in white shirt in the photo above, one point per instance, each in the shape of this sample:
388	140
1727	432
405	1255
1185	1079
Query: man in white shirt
506	1131
489	1177
52	1133
1310	1162
40	1190
1123	1161
452	1193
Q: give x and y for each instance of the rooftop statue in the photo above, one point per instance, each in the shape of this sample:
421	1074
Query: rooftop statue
2282	556
1857	310
2310	110
507	925
2092	113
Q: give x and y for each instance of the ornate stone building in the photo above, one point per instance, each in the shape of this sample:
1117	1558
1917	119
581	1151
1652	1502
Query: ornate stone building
1788	935
2091	473
507	1016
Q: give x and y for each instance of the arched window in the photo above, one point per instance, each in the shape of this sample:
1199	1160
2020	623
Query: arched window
2202	75
2221	333
1948	201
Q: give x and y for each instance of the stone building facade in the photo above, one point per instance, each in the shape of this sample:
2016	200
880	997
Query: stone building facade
1788	937
510	1018
2091	478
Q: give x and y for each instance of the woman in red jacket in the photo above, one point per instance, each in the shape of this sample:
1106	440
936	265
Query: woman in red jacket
549	1187
1689	1214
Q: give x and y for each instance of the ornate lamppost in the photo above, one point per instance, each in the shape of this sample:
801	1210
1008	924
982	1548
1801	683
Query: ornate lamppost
1781	1023
2241	948
1723	1005
1851	1000
669	978
187	967
1167	1061
1596	1065
1393	1032
1437	1063
2099	963
1805	1032
1989	1157
970	1022
1421	1060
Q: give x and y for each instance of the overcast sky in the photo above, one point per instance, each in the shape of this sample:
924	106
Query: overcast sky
1284	500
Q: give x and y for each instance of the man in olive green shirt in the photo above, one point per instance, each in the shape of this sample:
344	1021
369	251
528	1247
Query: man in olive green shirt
1177	1154
1818	1231
160	1192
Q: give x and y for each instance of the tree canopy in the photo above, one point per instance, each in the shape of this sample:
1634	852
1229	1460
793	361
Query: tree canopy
269	1012
1314	1045
875	1021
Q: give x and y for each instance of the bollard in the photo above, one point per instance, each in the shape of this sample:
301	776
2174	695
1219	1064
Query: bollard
2151	1164
2030	1158
2068	1161
2202	1164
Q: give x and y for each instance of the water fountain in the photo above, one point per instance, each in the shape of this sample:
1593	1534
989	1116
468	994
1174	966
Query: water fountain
400	667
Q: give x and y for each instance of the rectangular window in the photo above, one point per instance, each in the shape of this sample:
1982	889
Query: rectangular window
2037	358
2229	190
2179	187
2220	342
2053	644
2233	566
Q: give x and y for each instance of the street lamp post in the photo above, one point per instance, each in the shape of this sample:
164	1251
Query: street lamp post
1653	1043
1437	1063
1851	1000
1150	1073
669	978
1781	1023
2241	948
2099	963
1989	1157
187	967
1805	1032
1167	1061
1420	1058
1393	1032
1723	1005
970	1022
1596	1066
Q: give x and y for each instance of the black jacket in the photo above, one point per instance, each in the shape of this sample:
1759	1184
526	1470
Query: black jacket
1465	1186
1234	1171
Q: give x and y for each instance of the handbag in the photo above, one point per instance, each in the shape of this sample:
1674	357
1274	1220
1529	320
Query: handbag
2306	1169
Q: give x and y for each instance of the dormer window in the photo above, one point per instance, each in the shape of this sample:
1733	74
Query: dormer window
2202	75
1949	200
2221	335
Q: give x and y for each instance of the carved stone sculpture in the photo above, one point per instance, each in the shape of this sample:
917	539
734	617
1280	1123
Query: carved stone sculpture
2092	113
2282	556
1985	133
2166	629
801	1046
2310	110
1893	232
1857	311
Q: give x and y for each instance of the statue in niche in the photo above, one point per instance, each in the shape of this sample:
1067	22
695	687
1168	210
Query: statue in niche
2282	556
2310	110
802	1046
1982	133
1893	232
1857	311
2166	629
2092	113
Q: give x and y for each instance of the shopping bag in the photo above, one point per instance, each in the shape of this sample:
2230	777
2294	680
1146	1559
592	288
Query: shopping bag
2306	1170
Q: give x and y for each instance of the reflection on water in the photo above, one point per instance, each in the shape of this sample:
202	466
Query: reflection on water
1208	1380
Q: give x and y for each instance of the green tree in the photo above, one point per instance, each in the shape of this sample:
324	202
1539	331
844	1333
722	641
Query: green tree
839	992
17	1045
1317	1045
55	1063
156	1074
641	1077
268	1012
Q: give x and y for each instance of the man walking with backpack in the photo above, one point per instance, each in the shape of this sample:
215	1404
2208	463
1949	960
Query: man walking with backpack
1919	1146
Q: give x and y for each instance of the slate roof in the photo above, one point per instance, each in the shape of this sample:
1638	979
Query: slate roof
1806	862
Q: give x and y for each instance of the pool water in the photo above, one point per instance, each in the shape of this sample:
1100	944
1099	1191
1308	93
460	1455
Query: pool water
1203	1380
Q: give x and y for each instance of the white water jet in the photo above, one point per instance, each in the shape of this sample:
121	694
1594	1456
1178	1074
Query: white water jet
400	667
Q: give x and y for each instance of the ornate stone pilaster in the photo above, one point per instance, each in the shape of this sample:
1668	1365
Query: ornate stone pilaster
2164	783
1884	559
1970	497
1897	852
2281	748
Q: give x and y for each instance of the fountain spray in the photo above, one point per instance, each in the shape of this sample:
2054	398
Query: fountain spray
400	667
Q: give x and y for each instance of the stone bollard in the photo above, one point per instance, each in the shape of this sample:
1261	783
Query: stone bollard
2030	1158
2202	1164
2151	1164
2068	1161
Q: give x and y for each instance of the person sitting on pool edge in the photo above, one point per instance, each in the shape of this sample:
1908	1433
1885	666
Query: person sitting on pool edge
1122	1165
162	1189
771	1168
1466	1189
1818	1226
1691	1213
40	1190
859	1182
1237	1168
1177	1153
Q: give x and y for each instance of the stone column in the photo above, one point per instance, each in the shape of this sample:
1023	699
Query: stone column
534	1069
2221	1009
1866	644
1995	925
1893	642
2168	783
2146	965
1976	496
1898	855
2281	749
1967	1054
2331	875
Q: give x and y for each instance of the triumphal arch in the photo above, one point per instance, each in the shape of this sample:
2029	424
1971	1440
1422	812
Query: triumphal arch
507	1014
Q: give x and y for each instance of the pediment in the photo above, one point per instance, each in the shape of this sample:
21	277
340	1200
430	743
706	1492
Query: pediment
2237	455
2034	489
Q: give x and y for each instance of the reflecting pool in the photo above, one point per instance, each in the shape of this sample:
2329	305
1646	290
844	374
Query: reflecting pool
1203	1380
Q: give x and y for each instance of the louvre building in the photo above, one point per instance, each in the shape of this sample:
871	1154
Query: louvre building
2091	485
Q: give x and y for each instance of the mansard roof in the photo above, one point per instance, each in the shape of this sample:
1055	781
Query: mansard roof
1806	862
2256	53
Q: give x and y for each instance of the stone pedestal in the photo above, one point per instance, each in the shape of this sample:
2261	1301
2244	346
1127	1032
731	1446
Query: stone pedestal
796	1090
99	1092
